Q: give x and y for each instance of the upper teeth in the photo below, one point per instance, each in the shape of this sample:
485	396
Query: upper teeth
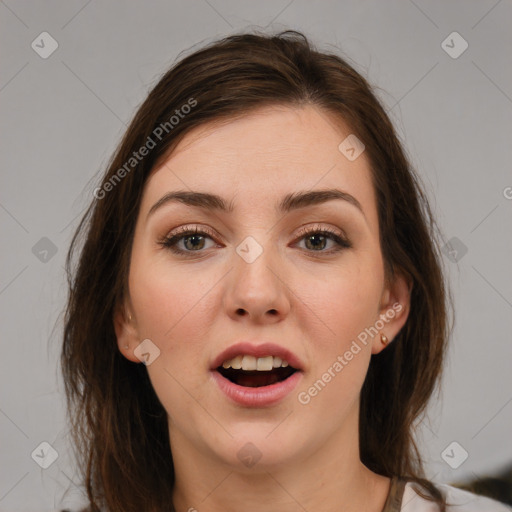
248	363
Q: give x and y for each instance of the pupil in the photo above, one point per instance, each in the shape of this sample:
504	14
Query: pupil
188	238
315	236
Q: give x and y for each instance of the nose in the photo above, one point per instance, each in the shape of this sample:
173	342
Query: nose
257	290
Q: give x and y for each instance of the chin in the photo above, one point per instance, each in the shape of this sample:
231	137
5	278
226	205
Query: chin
255	448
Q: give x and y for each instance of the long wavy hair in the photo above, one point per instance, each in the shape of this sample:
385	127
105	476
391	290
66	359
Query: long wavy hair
118	425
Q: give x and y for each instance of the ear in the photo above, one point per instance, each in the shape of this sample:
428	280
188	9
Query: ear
126	333
394	310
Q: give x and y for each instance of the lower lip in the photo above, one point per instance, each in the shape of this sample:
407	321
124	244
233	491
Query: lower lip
257	397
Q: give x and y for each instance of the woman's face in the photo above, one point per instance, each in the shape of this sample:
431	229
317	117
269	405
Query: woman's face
277	275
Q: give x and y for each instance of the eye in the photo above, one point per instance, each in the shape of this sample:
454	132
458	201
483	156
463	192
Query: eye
194	240
316	239
187	240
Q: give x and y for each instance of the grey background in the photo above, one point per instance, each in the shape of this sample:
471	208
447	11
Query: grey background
61	118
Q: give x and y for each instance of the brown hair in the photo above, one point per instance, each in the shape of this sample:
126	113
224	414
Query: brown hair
119	426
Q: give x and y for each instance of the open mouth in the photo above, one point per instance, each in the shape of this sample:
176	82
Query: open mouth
256	378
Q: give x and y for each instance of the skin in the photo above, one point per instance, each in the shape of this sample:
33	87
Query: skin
312	301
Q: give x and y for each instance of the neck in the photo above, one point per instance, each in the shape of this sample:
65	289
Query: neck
331	478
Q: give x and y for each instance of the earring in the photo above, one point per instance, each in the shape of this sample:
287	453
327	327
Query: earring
126	347
384	340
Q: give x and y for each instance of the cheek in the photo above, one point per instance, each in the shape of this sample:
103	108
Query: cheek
344	300
176	314
339	309
176	306
165	296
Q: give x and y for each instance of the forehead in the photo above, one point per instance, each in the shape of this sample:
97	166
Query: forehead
263	156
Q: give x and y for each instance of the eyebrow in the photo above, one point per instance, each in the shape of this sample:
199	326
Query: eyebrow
290	202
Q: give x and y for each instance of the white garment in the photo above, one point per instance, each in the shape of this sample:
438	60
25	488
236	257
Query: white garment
457	500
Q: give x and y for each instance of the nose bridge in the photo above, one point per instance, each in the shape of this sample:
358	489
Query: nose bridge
256	289
253	263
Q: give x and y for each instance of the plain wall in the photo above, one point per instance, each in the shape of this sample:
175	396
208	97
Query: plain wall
61	118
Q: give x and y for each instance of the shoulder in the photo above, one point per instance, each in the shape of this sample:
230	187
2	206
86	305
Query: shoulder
457	500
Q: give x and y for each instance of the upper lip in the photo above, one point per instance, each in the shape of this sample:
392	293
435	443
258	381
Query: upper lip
257	350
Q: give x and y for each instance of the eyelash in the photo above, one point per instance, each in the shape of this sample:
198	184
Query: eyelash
170	242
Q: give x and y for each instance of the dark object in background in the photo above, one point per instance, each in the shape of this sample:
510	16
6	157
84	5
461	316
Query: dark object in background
498	487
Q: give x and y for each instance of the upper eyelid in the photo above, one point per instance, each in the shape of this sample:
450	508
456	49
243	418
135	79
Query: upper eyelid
192	228
319	227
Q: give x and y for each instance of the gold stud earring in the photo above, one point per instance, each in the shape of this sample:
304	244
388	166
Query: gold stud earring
384	340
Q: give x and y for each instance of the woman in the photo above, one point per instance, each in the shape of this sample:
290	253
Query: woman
258	315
